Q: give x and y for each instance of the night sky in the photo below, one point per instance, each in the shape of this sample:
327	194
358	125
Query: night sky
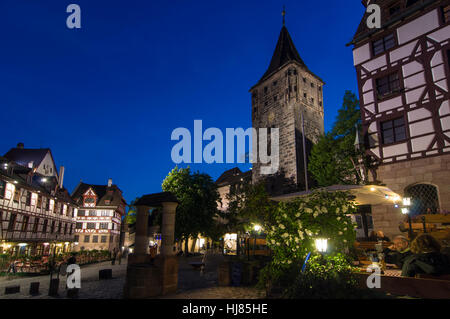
105	98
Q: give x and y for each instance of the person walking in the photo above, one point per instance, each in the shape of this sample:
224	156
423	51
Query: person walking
114	256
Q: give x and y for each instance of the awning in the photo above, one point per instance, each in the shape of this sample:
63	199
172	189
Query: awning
364	194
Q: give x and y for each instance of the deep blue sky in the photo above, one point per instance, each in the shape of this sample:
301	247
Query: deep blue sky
106	98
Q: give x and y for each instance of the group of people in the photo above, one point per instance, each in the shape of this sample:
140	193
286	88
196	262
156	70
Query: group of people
424	255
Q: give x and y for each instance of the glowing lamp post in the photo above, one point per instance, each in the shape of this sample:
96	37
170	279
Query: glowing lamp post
321	245
257	228
405	211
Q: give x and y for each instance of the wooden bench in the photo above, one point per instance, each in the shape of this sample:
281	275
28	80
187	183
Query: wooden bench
370	245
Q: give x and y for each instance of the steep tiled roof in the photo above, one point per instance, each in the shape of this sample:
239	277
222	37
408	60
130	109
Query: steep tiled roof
112	195
284	53
23	156
232	176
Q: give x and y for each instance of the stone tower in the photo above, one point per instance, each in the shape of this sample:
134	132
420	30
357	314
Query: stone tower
286	90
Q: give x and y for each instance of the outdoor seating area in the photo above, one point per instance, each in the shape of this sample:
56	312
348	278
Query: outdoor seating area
41	264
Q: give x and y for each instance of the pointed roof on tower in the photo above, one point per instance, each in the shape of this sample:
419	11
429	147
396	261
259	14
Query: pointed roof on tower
284	53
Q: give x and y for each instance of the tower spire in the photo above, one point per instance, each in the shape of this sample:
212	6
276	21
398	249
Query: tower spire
283	13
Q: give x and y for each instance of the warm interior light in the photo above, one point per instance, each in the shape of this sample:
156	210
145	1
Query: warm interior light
372	189
405	211
406	201
321	244
257	228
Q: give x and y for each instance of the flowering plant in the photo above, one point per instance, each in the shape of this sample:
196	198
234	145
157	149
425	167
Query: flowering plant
295	225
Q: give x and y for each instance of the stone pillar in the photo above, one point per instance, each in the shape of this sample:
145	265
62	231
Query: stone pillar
141	237
168	228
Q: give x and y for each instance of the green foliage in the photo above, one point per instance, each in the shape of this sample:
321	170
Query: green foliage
198	198
295	226
333	157
325	277
248	204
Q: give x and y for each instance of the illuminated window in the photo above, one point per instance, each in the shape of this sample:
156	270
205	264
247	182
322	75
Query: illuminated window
10	188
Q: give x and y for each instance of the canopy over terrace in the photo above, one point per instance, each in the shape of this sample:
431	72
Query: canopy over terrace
364	194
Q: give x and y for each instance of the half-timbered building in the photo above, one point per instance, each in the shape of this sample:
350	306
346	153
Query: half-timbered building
99	217
36	211
403	77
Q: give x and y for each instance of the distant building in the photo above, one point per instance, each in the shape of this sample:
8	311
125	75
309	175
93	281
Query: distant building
288	91
36	211
227	182
403	79
99	218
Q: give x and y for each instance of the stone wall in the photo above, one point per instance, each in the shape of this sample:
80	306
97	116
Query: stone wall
398	176
277	103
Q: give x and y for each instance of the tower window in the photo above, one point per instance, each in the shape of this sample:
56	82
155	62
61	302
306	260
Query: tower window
275	83
304	95
312	100
312	84
265	90
275	98
304	80
393	131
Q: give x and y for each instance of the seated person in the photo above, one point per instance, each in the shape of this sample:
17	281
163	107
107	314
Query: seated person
426	258
397	252
377	236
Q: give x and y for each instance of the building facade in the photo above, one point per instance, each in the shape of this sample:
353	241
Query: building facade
36	211
403	79
99	217
287	92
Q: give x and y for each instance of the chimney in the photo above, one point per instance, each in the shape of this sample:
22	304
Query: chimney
61	177
110	182
20	145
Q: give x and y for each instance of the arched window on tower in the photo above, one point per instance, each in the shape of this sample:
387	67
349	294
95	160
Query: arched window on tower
424	199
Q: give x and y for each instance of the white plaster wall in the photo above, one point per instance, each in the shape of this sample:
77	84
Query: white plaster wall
361	54
417	27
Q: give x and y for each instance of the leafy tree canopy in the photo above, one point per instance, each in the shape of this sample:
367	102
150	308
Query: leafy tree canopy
198	198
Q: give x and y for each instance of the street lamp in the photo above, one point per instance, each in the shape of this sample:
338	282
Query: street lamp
257	228
321	244
405	211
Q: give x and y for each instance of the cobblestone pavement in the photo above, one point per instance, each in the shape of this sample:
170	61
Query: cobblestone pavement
192	284
91	286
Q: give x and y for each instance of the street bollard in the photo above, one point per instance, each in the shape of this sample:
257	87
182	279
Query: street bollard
54	286
12	290
105	274
34	288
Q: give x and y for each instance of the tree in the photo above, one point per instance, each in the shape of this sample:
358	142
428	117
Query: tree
198	197
248	204
334	158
